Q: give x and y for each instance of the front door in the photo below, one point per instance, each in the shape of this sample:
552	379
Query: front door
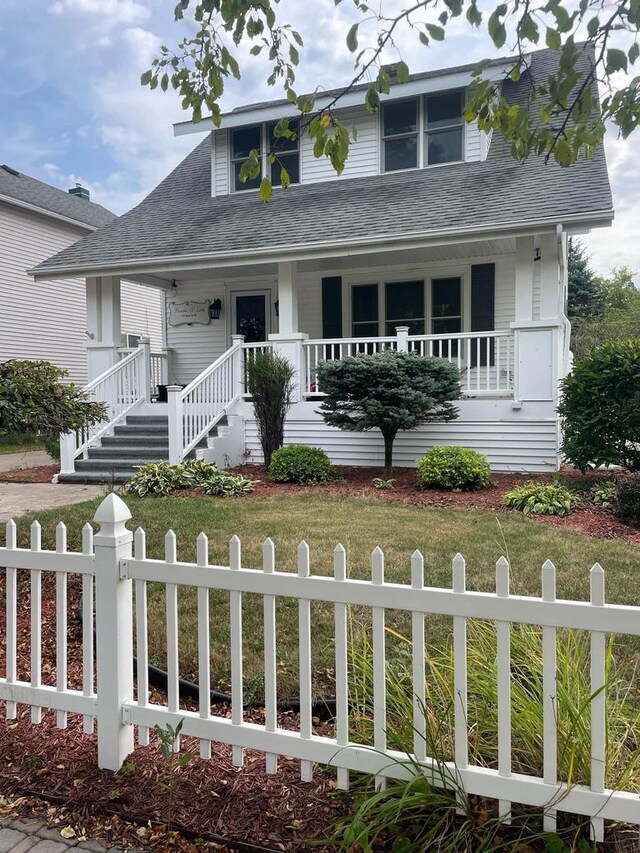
251	315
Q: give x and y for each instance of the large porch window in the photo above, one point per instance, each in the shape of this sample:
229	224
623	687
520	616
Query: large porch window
404	306
364	311
446	305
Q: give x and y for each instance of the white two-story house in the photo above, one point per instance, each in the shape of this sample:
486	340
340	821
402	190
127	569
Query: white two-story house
432	240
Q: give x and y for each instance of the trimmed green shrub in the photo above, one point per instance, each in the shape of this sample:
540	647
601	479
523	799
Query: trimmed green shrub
161	478
455	468
389	391
600	407
298	463
542	499
269	381
628	500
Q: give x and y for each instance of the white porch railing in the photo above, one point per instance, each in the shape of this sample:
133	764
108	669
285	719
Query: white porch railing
110	561
196	409
121	388
249	351
159	370
485	359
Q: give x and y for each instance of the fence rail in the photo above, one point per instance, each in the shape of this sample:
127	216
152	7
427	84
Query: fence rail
118	567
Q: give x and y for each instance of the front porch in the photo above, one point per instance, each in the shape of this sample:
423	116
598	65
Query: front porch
493	307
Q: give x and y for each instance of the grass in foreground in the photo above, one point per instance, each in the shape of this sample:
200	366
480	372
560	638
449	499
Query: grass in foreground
19	443
359	524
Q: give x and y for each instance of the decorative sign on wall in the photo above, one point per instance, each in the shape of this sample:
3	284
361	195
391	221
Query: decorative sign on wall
186	313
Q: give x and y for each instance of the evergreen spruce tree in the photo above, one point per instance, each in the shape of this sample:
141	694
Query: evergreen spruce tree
584	297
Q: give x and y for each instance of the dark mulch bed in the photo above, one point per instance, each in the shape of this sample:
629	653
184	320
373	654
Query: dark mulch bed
41	474
211	798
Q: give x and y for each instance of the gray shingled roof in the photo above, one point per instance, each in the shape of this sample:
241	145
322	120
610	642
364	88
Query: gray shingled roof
180	218
49	199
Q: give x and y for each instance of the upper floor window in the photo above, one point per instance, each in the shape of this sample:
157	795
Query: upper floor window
244	140
444	128
285	154
436	119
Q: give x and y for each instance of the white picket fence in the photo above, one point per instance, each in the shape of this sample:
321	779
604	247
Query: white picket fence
114	561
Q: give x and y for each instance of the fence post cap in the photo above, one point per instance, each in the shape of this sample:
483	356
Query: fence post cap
112	510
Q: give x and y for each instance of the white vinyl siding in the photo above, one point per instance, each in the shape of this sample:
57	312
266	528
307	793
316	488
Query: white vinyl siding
47	320
475	147
221	161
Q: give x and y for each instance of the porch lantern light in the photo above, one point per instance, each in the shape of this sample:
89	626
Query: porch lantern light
276	306
215	308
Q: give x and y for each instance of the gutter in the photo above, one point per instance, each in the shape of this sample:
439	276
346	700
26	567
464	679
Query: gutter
49	213
311	251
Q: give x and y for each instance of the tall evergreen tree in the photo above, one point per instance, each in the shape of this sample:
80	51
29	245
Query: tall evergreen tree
584	296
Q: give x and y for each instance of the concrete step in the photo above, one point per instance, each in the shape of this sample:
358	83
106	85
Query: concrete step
136	440
141	429
129	452
111	464
96	477
136	420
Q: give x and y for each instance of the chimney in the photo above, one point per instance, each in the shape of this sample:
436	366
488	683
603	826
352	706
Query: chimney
80	192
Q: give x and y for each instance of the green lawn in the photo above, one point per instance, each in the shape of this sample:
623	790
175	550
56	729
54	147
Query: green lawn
324	519
19	443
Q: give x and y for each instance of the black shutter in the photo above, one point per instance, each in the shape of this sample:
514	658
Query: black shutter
331	309
483	304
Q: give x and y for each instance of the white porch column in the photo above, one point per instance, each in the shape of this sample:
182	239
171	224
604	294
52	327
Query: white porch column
550	282
287	298
145	346
288	341
524	279
103	323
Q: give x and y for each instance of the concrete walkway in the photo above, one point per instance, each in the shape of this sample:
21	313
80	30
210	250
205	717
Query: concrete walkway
24	459
18	498
20	836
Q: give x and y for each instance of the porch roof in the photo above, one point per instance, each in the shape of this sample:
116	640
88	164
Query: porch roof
181	222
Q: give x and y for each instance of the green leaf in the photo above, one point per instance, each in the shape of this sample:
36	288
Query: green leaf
436	33
616	60
634	52
145	79
552	39
402	72
593	26
496	28
352	38
474	15
266	190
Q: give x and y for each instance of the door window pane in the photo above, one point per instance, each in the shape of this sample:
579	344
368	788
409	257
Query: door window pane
251	317
404	306
364	310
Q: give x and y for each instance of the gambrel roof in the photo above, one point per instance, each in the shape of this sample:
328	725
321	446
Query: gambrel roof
180	220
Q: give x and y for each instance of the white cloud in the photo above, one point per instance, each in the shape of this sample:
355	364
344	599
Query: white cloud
106	13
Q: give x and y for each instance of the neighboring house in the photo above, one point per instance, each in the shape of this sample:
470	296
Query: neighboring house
433	240
48	319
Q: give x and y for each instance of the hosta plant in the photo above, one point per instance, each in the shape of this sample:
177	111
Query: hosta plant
161	478
604	494
542	499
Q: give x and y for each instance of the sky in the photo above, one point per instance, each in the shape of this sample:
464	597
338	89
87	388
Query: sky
72	107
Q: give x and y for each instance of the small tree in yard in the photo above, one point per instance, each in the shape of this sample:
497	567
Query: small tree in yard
34	400
269	381
389	391
600	407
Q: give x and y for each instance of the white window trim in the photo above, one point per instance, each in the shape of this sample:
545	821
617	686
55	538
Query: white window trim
264	152
422	134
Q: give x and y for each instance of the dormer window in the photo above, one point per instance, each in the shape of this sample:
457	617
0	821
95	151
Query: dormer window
422	131
262	138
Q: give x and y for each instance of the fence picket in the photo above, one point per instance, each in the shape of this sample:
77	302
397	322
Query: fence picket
11	669
598	702
204	660
36	622
504	686
379	665
87	628
418	657
61	624
237	691
461	725
270	689
142	633
549	697
342	666
173	691
304	645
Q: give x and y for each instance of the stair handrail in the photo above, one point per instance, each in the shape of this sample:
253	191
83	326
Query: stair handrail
122	387
204	402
